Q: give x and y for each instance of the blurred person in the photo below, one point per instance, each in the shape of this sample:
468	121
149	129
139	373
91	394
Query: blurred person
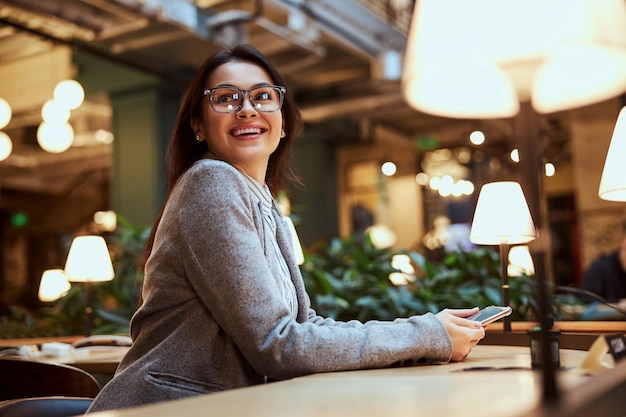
606	276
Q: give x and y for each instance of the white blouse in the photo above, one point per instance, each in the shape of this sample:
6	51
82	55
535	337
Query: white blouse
285	285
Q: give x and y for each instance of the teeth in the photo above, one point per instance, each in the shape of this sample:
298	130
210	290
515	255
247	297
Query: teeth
246	131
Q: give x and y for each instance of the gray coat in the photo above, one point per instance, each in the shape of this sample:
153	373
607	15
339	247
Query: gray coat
213	317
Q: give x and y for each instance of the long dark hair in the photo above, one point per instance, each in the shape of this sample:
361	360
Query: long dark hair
183	150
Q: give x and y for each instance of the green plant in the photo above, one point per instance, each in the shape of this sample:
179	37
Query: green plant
349	279
462	279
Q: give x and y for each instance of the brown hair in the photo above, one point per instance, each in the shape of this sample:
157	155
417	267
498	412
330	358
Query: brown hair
183	150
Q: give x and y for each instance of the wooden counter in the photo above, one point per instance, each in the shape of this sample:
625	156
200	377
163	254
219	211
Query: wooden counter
493	381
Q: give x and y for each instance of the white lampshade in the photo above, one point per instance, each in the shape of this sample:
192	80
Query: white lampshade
613	182
477	59
502	216
89	260
297	247
53	285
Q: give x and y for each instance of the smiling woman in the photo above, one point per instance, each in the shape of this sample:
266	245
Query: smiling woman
224	302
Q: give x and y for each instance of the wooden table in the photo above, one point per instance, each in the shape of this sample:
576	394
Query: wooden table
93	359
493	381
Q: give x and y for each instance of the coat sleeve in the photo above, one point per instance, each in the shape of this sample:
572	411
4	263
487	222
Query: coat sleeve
226	266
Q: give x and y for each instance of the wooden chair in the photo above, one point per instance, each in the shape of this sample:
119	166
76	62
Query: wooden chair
20	378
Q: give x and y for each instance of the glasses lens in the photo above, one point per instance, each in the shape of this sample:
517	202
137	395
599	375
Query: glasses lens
229	100
266	98
225	100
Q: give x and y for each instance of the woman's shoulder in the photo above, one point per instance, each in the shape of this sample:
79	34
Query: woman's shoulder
211	180
213	171
213	166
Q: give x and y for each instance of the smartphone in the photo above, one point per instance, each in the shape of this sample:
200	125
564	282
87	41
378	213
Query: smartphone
490	314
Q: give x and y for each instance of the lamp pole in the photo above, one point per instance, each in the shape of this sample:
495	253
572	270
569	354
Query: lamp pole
528	133
88	308
504	262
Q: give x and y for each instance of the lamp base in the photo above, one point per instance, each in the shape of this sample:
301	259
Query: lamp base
536	348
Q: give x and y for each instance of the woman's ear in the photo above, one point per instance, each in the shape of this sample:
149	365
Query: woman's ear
197	130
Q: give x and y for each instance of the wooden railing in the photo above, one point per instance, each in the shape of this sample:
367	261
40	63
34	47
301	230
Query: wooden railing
577	335
594	327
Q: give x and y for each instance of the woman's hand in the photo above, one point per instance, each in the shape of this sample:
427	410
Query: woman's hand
464	333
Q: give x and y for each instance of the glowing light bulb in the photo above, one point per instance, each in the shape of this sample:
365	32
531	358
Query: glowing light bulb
55	138
477	137
388	168
6	146
5	113
54	112
69	93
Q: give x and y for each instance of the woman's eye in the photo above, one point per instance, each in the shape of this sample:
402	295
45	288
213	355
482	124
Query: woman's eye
224	98
262	96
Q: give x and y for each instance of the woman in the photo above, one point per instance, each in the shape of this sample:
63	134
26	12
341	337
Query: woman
224	305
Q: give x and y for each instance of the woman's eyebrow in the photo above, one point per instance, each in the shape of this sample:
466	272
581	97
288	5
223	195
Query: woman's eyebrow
262	84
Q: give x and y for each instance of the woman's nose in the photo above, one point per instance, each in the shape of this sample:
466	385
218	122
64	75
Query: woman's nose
247	107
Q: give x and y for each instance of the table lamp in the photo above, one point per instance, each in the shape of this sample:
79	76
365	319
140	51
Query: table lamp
613	182
502	217
89	261
53	285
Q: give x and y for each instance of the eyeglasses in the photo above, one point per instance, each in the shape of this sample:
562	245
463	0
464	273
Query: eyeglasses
265	98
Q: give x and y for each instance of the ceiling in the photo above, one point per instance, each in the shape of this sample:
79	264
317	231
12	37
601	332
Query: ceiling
341	59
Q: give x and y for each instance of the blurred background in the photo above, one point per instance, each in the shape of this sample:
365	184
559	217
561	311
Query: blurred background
369	160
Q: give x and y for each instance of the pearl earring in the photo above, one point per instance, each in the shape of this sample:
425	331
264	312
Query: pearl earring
283	134
197	138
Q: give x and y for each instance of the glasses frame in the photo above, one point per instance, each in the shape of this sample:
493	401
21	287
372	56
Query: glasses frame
281	91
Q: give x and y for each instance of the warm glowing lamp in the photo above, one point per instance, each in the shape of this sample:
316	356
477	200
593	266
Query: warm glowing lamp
55	138
69	93
106	220
481	58
5	113
6	146
520	261
53	285
406	273
613	182
297	247
54	112
502	217
381	235
89	261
